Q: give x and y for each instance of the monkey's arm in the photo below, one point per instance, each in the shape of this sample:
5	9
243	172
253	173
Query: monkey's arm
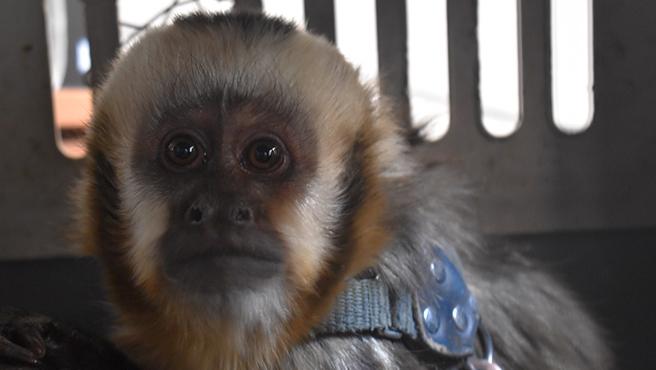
32	341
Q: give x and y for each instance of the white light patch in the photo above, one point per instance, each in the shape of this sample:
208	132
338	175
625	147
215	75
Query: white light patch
138	13
293	10
216	6
572	74
57	32
355	33
498	47
82	56
428	67
158	12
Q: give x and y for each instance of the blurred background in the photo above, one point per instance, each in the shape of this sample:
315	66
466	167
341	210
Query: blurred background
546	106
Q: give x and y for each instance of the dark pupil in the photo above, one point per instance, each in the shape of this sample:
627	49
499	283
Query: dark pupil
183	150
264	153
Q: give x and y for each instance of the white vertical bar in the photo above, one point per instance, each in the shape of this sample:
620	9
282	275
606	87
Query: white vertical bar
498	47
572	74
216	6
57	33
428	66
137	13
293	10
355	34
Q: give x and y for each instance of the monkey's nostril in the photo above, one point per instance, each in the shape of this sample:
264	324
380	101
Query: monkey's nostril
242	215
195	215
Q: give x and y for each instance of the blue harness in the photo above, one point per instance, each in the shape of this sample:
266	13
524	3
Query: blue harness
444	317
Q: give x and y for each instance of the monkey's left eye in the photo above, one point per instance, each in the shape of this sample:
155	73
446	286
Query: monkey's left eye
183	151
264	155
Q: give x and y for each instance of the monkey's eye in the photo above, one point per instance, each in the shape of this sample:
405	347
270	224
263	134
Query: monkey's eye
183	151
264	155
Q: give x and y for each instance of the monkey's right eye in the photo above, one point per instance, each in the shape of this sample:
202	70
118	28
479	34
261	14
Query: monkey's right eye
183	151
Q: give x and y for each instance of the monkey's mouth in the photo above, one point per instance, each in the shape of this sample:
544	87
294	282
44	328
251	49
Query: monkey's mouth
222	270
226	253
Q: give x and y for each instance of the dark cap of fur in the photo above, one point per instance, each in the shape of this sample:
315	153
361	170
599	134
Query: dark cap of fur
254	24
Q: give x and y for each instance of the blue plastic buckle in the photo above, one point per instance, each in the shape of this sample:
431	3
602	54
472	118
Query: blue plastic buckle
446	311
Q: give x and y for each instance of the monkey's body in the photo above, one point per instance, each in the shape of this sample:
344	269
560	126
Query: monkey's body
239	174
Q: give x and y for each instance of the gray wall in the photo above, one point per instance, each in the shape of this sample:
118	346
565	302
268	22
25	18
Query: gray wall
35	178
536	181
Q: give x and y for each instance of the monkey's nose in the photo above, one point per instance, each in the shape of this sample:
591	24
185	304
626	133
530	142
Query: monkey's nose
242	215
239	214
194	215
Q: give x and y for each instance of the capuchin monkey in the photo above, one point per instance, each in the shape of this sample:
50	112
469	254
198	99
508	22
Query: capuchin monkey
253	204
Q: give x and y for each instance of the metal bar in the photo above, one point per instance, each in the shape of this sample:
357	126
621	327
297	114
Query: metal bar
102	31
463	74
392	33
248	5
320	16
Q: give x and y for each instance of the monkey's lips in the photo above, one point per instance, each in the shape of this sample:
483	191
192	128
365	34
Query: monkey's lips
225	269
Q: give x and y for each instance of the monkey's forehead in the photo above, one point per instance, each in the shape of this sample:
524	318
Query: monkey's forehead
250	57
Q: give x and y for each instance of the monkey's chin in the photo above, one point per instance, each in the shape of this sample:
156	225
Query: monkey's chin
223	274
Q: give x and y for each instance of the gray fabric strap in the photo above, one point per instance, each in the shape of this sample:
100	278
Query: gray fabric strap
442	315
367	305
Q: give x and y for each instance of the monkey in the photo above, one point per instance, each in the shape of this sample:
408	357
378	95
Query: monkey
242	189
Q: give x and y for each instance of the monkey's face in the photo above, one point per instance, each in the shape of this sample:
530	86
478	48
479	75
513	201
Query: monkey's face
228	168
234	166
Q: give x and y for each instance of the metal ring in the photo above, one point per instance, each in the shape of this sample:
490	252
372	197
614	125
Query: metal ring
486	341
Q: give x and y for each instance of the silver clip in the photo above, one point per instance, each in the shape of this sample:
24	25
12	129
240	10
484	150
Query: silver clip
389	333
486	363
481	364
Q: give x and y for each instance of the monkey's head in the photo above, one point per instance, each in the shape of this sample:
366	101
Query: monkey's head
235	179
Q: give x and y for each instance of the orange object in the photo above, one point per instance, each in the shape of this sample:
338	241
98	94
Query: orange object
72	110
